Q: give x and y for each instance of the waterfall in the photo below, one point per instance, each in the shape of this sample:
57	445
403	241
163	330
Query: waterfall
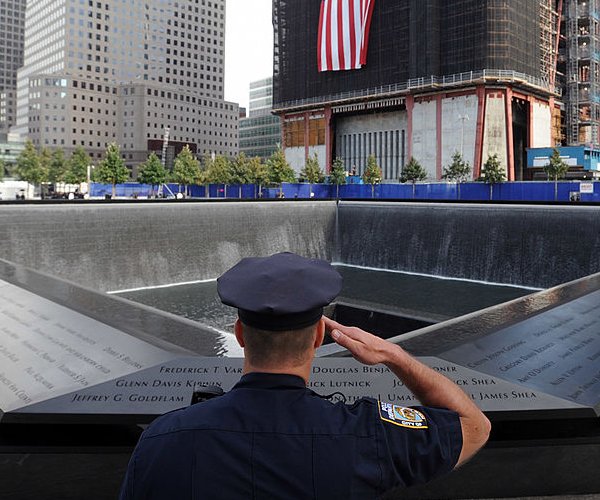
121	246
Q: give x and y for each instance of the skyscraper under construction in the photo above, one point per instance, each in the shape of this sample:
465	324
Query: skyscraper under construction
581	54
416	78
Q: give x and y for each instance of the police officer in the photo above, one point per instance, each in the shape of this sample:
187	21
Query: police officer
270	437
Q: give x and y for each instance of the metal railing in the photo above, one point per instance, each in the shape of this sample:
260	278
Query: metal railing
430	82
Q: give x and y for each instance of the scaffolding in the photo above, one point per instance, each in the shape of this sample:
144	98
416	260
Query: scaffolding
549	29
583	72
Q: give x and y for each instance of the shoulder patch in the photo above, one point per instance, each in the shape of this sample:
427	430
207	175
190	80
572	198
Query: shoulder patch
399	415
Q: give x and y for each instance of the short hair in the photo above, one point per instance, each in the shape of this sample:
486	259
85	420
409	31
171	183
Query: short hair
268	348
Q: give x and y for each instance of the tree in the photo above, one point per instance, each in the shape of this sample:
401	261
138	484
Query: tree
337	175
112	169
492	172
186	169
45	160
413	172
202	179
457	171
556	169
240	172
152	172
29	167
203	173
280	170
372	174
79	163
2	165
220	172
58	167
259	174
312	172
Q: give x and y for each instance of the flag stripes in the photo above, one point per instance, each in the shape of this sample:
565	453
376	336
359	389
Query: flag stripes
343	34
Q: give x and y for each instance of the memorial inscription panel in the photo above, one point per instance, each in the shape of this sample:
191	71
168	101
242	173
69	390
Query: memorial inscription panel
47	350
556	352
170	385
55	361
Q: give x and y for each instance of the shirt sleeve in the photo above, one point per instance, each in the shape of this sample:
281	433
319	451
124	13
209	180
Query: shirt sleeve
126	492
416	444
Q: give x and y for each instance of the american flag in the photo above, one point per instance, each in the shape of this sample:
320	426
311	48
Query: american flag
343	34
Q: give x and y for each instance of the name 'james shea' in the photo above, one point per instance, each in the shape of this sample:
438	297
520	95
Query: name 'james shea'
505	395
479	396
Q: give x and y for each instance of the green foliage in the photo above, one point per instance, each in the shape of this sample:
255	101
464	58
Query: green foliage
29	167
279	169
205	167
57	168
202	178
2	165
492	171
45	160
337	175
556	168
312	172
458	170
241	172
112	169
372	174
186	169
413	172
78	167
259	173
152	171
207	160
219	171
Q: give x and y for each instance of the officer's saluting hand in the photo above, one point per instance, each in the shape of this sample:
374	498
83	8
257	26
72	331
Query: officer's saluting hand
430	387
271	437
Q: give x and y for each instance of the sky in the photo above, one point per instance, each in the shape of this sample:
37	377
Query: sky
248	47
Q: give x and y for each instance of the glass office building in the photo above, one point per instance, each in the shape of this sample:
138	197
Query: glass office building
260	132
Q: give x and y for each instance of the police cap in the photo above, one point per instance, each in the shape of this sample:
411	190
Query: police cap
280	292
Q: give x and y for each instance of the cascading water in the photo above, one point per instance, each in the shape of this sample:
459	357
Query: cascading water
115	247
536	246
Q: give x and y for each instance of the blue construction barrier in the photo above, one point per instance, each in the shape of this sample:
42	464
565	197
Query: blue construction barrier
137	190
468	191
128	190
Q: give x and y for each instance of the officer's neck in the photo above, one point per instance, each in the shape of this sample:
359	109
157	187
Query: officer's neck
302	371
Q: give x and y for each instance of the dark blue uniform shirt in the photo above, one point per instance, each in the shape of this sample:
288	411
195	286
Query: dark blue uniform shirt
271	437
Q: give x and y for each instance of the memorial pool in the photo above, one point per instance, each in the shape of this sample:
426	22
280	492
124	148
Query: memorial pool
429	298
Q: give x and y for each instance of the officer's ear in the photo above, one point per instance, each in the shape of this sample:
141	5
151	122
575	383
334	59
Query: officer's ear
320	333
238	328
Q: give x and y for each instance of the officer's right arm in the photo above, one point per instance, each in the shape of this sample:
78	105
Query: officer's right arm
431	388
126	492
